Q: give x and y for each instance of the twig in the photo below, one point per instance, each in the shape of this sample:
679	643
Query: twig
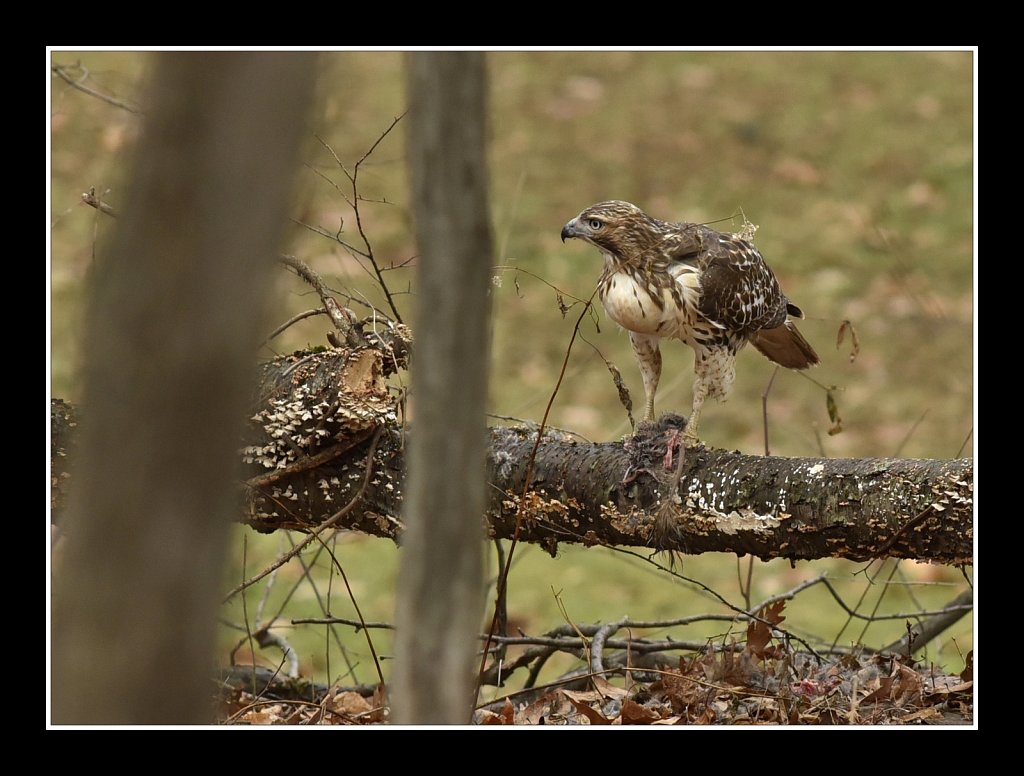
903	442
61	72
878	602
341	319
915	520
267	639
597	644
355	605
292	321
764	408
336	237
89	198
532	425
245	620
282	702
266	595
314	535
323	606
932	626
964	444
898	615
745	591
720	597
501	609
354	202
357	624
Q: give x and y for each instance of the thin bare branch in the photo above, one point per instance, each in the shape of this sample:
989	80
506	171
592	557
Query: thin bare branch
353	202
357	624
910	433
932	626
292	321
764	408
898	616
597	644
720	597
336	237
532	424
61	71
92	200
964	444
355	605
340	317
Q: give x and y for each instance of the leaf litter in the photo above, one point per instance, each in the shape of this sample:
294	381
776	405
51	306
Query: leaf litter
764	681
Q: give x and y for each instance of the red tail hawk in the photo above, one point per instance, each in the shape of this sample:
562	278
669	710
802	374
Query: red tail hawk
709	289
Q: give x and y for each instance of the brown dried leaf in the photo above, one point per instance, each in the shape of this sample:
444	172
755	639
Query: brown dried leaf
609	690
963	687
833	413
968	673
380	705
536	712
854	340
583	696
350	703
759	633
884	691
505	717
681	691
635	714
595	717
910	684
921	714
269	715
562	306
624	397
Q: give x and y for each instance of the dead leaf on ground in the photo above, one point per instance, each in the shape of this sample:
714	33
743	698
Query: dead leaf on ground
635	714
593	715
505	717
609	690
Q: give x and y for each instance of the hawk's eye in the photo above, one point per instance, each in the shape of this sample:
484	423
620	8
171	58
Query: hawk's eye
595	224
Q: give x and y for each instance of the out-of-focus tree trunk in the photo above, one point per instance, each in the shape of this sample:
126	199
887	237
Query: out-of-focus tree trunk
440	595
173	324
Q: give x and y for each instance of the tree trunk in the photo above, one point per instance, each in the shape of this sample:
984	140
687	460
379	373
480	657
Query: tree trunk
170	337
439	600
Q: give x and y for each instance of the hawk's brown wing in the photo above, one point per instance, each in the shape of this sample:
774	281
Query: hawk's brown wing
738	290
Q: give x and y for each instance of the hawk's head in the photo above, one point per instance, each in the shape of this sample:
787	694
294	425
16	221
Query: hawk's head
616	227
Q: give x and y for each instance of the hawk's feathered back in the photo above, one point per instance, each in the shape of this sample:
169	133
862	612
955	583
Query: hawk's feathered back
708	288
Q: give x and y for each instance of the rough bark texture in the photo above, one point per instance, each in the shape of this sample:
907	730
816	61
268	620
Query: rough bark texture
172	326
439	589
797	508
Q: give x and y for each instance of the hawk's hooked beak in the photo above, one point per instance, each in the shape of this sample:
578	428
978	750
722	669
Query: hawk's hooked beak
569	230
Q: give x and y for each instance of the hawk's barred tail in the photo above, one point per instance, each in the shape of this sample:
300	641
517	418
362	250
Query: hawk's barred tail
786	347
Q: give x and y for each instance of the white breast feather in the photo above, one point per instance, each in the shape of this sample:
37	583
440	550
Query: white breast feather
629	305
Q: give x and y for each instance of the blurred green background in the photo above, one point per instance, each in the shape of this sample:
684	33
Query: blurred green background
856	166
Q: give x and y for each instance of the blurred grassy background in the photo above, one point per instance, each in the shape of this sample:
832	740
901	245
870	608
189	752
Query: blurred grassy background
857	167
